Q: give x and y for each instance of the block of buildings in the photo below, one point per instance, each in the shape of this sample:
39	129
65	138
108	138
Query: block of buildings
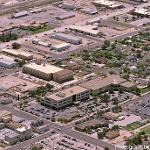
11	137
39	126
7	62
16	85
66	97
91	123
68	38
48	72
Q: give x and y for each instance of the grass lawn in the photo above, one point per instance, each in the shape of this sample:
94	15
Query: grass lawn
146	130
132	126
45	28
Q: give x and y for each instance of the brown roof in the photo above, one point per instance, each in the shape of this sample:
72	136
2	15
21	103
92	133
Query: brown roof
100	83
63	72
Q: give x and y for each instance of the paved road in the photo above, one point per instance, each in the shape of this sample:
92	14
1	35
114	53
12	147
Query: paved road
64	129
59	29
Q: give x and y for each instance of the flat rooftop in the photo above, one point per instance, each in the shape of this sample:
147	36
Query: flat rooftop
98	83
44	68
127	84
7	60
67	93
17	52
10	82
86	29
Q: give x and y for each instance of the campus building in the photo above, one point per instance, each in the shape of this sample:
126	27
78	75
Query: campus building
98	85
66	97
48	72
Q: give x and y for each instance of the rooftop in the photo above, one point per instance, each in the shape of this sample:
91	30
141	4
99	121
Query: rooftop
67	93
98	83
6	60
87	29
16	52
44	68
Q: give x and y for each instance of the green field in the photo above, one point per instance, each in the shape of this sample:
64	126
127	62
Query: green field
38	30
146	130
132	126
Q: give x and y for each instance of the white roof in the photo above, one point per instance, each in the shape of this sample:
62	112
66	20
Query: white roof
107	3
61	45
22	129
86	29
141	11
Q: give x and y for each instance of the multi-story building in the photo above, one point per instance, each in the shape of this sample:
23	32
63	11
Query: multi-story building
48	72
66	97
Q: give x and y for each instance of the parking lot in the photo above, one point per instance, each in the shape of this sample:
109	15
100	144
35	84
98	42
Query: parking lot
65	142
142	107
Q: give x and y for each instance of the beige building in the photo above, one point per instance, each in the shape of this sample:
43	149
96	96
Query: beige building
63	76
48	72
18	53
101	85
5	116
66	97
87	30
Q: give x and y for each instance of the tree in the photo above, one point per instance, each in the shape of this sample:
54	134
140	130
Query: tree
35	148
100	135
106	148
137	91
116	109
106	44
49	86
115	101
115	127
16	45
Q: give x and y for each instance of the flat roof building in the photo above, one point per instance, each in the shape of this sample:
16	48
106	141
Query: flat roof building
48	72
69	5
100	85
66	97
7	62
68	38
107	3
60	47
10	136
90	11
87	30
63	76
65	15
20	14
18	53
